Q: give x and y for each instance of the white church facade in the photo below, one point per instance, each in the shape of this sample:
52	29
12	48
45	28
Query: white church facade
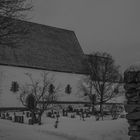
45	49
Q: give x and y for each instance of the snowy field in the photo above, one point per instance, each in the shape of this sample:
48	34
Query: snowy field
68	129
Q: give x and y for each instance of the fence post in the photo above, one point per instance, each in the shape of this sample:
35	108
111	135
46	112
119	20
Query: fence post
132	107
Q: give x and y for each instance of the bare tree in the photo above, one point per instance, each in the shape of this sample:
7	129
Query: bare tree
104	78
41	94
10	29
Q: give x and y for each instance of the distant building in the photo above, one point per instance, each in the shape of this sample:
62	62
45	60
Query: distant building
44	48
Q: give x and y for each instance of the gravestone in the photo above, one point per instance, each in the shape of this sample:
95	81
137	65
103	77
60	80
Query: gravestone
132	93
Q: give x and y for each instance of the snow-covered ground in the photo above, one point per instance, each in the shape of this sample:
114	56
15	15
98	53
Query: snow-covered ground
68	129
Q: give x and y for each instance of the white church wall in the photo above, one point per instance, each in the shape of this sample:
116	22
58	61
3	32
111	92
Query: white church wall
9	74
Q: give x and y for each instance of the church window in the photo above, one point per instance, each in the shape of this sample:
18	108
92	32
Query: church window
14	86
68	89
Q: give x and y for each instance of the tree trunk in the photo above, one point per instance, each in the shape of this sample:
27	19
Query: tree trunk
39	117
93	109
33	115
101	107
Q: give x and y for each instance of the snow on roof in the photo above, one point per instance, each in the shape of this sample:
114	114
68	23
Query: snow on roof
134	67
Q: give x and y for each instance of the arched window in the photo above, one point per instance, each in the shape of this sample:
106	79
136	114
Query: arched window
51	88
14	86
68	89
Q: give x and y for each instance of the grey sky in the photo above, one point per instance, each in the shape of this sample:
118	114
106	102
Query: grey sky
100	25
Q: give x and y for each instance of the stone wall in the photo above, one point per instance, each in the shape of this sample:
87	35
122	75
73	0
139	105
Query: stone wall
132	107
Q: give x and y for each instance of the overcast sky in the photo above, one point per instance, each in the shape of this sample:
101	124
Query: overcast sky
100	25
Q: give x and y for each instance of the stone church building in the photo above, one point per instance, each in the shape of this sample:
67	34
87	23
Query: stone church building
54	50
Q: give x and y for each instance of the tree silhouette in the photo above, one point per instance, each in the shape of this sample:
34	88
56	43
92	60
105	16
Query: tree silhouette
104	77
37	95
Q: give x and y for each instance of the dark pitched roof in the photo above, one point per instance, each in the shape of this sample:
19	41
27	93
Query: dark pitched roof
47	48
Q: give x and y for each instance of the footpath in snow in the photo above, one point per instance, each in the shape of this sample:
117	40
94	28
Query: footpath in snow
68	129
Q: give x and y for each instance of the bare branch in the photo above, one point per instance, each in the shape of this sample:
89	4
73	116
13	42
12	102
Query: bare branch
11	32
40	91
104	76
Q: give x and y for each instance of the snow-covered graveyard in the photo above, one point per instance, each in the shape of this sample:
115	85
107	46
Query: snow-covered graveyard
68	128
